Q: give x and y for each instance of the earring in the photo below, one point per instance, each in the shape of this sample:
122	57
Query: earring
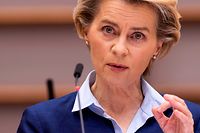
86	42
154	57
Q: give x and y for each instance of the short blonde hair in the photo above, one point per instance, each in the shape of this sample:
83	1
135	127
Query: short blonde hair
168	25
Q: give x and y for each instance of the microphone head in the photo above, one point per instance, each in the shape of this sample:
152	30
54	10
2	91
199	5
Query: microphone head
78	70
50	88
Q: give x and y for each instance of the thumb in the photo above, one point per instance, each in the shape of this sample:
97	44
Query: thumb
160	117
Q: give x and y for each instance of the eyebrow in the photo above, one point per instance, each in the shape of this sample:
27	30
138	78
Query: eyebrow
109	22
141	29
133	28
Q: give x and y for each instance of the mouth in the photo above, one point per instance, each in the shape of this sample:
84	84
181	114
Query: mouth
117	67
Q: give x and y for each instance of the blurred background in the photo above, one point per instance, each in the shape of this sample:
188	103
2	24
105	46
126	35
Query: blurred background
38	41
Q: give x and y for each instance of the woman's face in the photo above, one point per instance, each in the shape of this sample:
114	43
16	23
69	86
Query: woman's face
122	40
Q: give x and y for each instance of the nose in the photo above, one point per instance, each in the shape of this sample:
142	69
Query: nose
119	48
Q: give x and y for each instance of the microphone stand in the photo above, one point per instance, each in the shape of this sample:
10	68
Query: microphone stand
77	74
79	104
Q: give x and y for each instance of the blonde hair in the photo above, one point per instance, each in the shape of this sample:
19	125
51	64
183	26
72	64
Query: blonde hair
168	25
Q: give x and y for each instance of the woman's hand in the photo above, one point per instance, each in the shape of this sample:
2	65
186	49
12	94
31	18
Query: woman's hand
180	121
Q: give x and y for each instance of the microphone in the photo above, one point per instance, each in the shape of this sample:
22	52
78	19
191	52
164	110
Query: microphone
77	74
50	88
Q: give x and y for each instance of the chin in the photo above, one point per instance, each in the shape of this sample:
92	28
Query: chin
115	81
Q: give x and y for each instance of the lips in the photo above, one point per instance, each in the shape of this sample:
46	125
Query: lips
117	67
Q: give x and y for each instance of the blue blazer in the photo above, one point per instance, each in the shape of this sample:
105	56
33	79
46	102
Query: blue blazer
55	116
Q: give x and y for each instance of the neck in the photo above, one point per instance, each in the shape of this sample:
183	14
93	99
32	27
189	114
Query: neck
116	99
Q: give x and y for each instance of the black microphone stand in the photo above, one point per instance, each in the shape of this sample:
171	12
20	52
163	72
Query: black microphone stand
77	74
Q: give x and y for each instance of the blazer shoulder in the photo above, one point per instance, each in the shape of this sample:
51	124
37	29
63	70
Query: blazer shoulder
195	110
193	107
65	102
47	116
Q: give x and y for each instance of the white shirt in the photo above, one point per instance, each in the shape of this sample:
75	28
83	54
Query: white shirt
151	99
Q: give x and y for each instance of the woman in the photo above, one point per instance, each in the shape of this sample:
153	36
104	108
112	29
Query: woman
124	37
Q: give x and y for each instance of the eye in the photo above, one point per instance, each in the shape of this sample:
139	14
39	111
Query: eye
137	36
108	30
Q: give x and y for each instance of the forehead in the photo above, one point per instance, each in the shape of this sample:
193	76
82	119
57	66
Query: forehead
122	11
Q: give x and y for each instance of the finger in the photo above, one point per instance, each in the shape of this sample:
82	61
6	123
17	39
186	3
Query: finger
178	104
176	98
160	117
182	109
187	124
164	106
184	119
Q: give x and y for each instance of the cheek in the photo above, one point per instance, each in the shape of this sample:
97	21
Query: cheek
97	50
143	57
142	60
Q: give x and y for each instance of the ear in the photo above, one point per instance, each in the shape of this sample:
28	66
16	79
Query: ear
85	33
159	47
86	40
85	37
